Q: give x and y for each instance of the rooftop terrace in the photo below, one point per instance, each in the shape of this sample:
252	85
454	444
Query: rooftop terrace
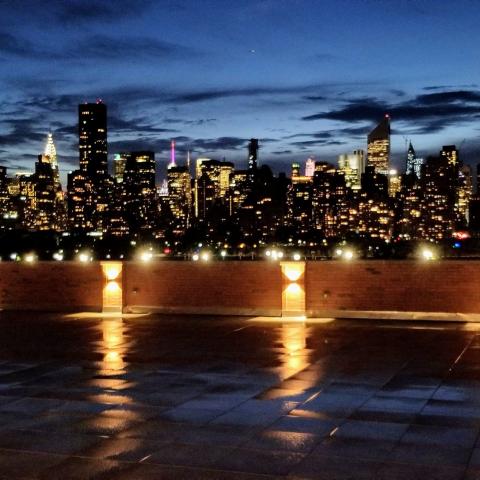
143	397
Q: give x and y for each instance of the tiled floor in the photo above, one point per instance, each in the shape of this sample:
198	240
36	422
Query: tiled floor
164	397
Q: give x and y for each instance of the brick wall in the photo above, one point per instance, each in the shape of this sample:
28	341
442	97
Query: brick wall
248	288
409	286
197	287
62	286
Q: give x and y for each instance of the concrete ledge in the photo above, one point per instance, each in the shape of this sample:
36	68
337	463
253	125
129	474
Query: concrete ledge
390	315
51	308
244	312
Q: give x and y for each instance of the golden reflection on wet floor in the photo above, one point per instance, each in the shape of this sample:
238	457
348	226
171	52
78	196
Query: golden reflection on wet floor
294	341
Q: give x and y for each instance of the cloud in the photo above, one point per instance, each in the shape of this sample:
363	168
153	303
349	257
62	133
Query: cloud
457	96
135	125
198	122
282	152
198	145
314	98
428	112
316	143
11	45
221	143
87	11
121	48
20	131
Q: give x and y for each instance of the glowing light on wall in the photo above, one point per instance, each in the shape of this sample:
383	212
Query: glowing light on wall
112	286
293	294
112	270
293	271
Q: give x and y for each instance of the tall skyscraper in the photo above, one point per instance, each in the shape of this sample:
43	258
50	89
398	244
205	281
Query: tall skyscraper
212	184
378	151
92	129
295	170
90	187
450	152
252	157
414	163
352	165
45	217
180	194
119	164
172	155
4	196
139	190
51	157
310	167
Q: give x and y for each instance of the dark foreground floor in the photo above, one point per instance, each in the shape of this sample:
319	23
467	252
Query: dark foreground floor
206	398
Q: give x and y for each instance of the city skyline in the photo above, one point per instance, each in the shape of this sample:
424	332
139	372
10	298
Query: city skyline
300	80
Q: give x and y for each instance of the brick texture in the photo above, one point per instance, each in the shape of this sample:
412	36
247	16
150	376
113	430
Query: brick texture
234	287
62	286
408	286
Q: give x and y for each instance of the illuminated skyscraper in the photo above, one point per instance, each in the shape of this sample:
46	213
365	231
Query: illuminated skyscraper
92	192
352	165
212	184
172	163
378	152
81	204
295	170
139	191
180	194
330	203
394	183
438	185
44	217
310	167
92	128
414	163
450	152
4	196
119	164
252	157
464	194
51	157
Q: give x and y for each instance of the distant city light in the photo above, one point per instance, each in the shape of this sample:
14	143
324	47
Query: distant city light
13	256
274	254
85	257
428	254
30	257
297	257
195	257
223	253
146	256
205	256
58	256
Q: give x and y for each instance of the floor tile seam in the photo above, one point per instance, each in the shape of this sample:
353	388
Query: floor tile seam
428	465
472	451
348	458
436	390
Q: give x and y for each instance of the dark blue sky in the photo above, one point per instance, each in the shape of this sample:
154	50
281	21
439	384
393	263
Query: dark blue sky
306	77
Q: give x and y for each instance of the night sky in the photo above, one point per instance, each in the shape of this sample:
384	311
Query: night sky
306	77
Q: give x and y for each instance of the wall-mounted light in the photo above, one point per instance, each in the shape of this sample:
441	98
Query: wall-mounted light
112	286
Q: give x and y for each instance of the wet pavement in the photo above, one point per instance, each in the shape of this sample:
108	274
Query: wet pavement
165	397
